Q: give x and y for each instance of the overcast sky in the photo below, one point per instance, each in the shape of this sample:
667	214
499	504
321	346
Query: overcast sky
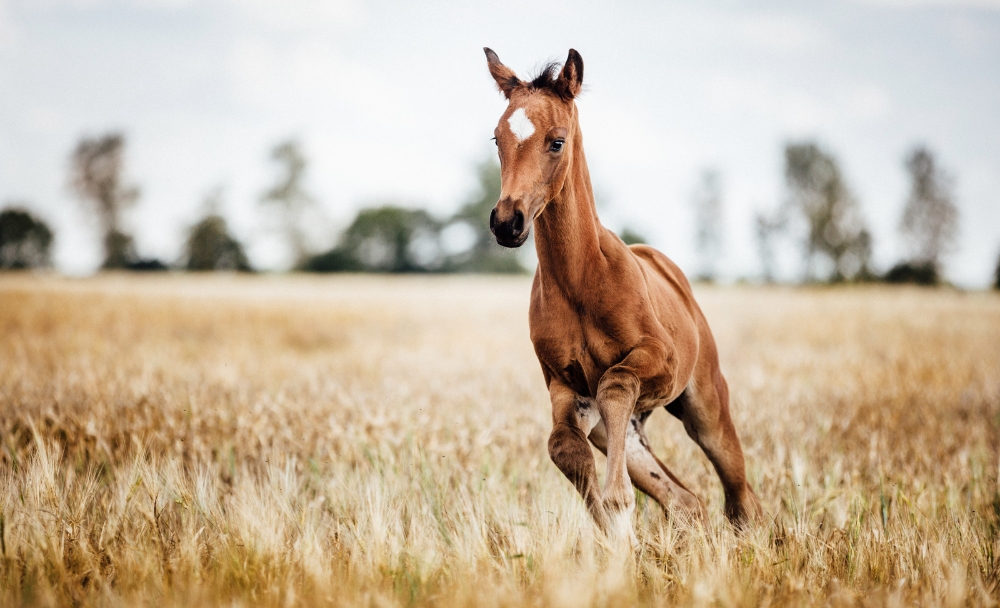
392	101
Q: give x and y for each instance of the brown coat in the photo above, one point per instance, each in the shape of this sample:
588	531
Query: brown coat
616	329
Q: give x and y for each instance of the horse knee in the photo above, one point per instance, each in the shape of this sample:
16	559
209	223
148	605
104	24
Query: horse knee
570	452
619	502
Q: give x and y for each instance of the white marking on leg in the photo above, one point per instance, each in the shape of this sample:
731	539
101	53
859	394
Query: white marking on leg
589	417
633	442
620	528
520	125
638	454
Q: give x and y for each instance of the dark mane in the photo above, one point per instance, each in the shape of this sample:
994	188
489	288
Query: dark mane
547	79
546	76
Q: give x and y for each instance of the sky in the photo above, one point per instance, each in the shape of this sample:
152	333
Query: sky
393	102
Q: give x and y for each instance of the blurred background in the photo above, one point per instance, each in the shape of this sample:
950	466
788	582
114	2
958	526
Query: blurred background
778	141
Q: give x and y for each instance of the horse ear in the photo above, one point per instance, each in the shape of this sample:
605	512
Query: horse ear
506	79
571	78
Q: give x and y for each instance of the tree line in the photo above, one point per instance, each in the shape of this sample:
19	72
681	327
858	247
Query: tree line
385	238
819	214
824	216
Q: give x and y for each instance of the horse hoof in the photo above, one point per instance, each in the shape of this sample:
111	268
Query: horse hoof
620	530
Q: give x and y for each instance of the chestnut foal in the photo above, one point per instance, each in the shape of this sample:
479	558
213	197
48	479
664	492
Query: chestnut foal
615	328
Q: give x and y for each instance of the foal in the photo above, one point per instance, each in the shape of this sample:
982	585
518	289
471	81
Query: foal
615	328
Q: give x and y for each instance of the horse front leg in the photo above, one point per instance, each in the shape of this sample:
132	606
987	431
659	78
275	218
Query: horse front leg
616	396
617	393
572	420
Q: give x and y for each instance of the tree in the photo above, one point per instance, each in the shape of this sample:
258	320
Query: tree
290	196
835	226
209	245
97	178
930	218
631	237
384	239
708	223
766	228
921	273
484	255
397	239
996	276
25	241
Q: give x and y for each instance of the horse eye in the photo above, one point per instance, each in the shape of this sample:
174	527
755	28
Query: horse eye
556	146
495	141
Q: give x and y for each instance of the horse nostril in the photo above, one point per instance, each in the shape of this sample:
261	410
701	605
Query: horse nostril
517	224
493	220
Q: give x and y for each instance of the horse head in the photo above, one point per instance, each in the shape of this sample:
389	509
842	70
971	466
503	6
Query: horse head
535	138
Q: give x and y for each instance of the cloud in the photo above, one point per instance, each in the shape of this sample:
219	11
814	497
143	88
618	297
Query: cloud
868	102
780	33
310	76
6	26
970	35
915	4
298	15
286	15
45	119
794	109
790	108
86	5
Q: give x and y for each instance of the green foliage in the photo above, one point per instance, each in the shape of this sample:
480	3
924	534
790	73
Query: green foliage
334	260
919	273
119	251
930	218
996	276
25	241
835	226
391	238
484	255
384	239
631	237
289	195
120	254
97	177
209	246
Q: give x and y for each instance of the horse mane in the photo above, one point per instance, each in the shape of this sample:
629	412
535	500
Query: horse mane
547	79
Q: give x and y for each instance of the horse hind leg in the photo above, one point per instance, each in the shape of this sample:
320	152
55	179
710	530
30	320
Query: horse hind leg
648	473
704	410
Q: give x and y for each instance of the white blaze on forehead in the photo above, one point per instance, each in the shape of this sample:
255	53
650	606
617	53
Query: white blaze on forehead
520	125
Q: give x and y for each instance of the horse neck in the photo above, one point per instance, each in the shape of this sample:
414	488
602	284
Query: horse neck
568	232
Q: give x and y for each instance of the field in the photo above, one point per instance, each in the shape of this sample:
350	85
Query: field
298	441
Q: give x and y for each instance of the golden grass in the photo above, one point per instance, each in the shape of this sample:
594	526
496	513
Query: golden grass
380	442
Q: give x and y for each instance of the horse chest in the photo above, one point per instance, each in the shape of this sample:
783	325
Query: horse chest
576	352
578	347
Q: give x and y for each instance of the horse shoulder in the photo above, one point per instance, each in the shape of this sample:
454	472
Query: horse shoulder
555	330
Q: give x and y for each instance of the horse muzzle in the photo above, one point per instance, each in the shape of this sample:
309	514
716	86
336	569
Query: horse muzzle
511	232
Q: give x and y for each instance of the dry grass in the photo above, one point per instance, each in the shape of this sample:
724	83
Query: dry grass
355	441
